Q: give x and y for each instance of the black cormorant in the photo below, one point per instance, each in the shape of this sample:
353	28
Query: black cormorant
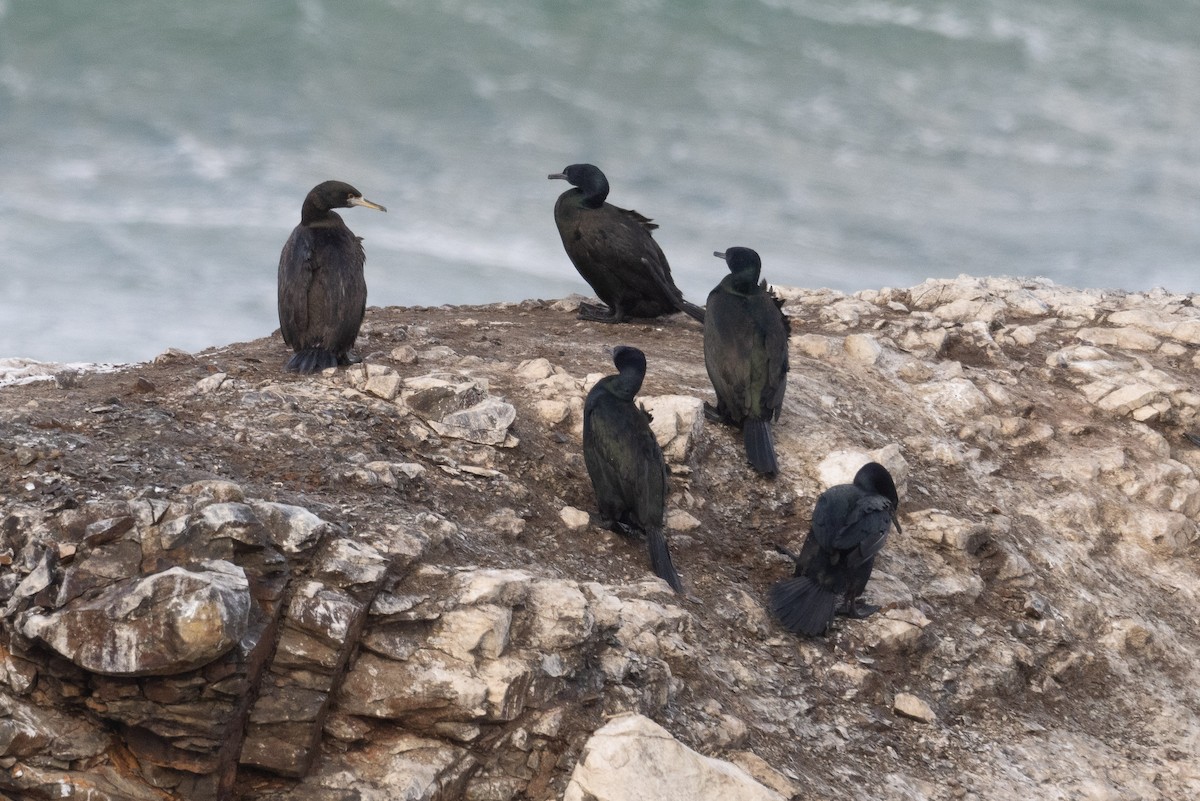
850	524
628	472
746	353
613	250
322	292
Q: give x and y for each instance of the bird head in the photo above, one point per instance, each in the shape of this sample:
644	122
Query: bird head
588	178
875	478
629	360
338	195
741	259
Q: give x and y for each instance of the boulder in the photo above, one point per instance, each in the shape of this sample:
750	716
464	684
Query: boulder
632	758
156	625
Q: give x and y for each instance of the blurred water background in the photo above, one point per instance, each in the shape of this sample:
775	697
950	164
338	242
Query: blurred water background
154	155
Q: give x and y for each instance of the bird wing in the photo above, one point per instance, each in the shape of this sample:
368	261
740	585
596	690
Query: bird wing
640	219
775	332
808	551
296	271
658	269
866	526
346	292
628	233
727	351
830	514
746	350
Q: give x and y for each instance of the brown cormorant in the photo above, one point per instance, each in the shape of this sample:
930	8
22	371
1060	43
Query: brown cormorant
322	292
613	250
628	472
850	524
746	353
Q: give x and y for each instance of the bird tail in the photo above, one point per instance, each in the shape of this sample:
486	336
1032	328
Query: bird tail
760	449
660	559
692	310
661	274
803	606
311	360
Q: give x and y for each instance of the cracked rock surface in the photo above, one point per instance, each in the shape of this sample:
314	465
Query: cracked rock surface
218	580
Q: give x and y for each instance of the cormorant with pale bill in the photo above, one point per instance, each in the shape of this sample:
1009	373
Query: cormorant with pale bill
322	291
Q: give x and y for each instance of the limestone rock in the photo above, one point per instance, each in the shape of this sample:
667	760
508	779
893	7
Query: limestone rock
482	629
944	529
485	423
814	345
1127	338
575	519
292	529
436	395
552	412
762	772
679	520
676	421
632	758
910	706
429	682
1128	398
158	625
404	767
863	348
384	384
535	369
404	354
561	617
956	398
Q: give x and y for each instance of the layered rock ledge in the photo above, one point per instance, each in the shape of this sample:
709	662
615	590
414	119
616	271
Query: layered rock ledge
221	581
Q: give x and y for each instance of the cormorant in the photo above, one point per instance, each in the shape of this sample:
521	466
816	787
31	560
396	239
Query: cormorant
628	472
322	292
850	524
613	250
746	353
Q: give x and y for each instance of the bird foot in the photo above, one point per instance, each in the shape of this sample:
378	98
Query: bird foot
787	552
626	530
714	414
349	357
615	526
598	314
854	610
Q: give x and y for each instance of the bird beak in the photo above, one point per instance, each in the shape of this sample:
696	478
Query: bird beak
718	254
554	175
362	201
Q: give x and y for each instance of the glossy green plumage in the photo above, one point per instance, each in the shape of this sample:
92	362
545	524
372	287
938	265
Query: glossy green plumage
623	459
850	524
613	250
746	355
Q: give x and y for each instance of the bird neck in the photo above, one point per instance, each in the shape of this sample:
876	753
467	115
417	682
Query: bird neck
624	385
593	194
744	282
313	215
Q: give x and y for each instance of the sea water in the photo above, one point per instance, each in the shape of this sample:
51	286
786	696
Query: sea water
154	155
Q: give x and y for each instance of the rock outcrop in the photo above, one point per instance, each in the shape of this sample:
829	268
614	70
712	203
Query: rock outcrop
218	580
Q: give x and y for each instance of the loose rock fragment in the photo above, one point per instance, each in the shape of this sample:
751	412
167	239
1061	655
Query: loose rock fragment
910	706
